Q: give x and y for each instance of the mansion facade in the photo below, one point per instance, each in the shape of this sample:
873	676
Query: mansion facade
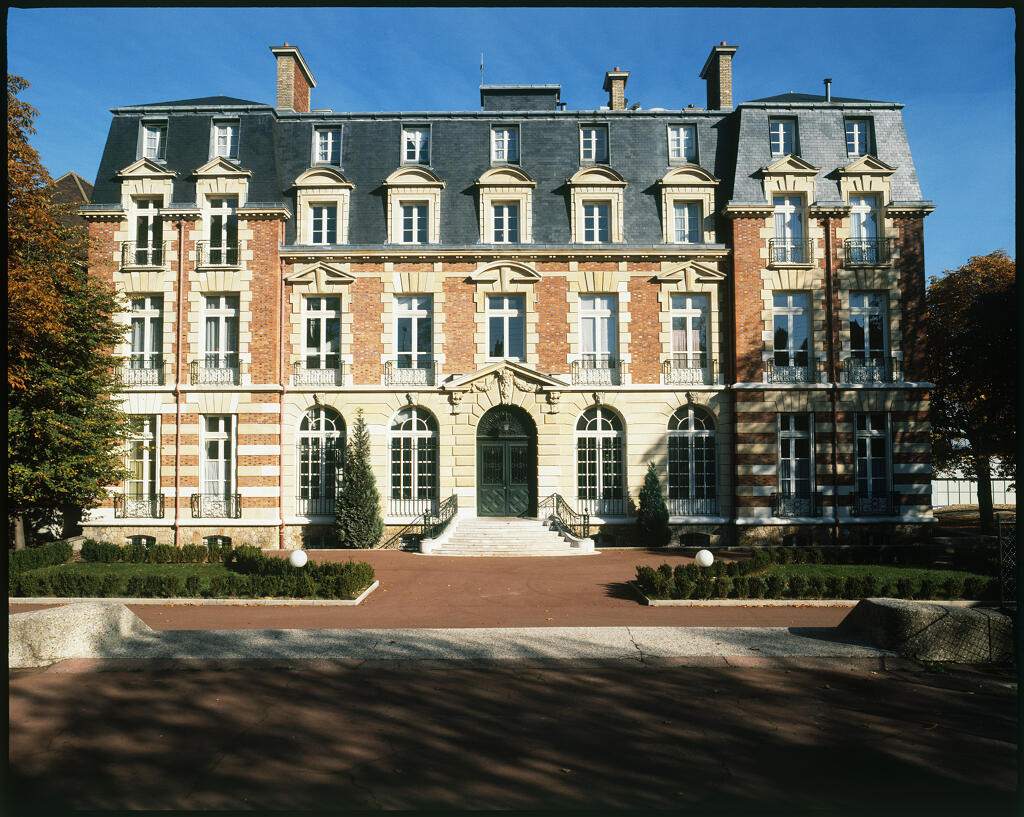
524	302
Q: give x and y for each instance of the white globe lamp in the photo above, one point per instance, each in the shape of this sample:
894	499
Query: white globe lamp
299	558
704	558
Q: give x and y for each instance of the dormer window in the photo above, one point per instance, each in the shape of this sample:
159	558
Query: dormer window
782	134
154	140
857	137
505	144
416	146
225	140
327	146
594	143
682	143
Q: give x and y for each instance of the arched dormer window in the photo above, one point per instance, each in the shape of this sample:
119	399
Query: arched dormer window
506	206
688	205
321	206
414	206
596	195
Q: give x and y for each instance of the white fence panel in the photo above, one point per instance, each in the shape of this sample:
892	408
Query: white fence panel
965	492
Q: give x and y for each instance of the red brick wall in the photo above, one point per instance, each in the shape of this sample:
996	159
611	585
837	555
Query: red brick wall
367	330
459	325
747	265
266	300
552	324
300	94
644	330
910	243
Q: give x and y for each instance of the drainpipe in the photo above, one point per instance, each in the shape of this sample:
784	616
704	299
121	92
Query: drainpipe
728	337
833	390
280	418
177	384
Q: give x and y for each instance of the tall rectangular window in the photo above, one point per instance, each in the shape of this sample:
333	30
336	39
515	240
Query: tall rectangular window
596	222
594	143
505	222
689	331
149	244
143	464
506	327
791	321
414	331
868	347
505	144
416	146
788	246
682	143
598	327
218	461
857	137
782	136
414	223
225	139
147	322
872	440
796	461
223	230
687	222
328	146
154	141
324	223
323	332
221	337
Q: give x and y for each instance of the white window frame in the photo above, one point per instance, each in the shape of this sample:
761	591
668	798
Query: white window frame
333	155
592	232
682	143
505	144
316	308
224	310
146	337
797	305
416	145
692	446
782	135
600	451
153	141
691	309
221	250
788	479
415	309
224	139
866	430
789	225
226	481
148	232
144	436
508	313
865	215
415	226
594	147
692	228
507	214
601	313
862	307
858	130
317	481
321	214
413	460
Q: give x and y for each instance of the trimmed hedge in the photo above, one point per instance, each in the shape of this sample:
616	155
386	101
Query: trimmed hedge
32	558
108	553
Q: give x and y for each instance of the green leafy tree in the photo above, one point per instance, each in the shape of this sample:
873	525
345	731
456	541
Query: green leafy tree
64	433
972	358
357	513
652	513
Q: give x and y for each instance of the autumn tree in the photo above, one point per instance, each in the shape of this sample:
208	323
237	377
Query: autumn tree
64	433
972	357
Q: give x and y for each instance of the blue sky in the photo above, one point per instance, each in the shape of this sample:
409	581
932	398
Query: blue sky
951	68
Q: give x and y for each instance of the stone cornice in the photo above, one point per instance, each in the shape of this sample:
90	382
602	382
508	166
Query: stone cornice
749	210
251	212
294	254
106	214
830	209
909	210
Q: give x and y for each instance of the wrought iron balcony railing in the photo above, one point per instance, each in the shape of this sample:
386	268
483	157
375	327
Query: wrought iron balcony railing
598	370
141	370
787	505
885	504
878	369
794	373
215	369
315	505
867	251
559	511
607	506
403	372
798	251
398	506
696	369
216	506
136	254
216	255
306	375
693	506
144	507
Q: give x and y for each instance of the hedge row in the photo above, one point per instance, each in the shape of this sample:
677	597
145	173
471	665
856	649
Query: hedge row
971	561
684	583
109	553
54	553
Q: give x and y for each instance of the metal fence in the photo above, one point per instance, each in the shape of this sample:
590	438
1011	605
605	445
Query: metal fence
965	492
1007	562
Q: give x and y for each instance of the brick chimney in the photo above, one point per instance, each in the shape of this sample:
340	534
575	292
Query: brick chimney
294	79
615	85
718	73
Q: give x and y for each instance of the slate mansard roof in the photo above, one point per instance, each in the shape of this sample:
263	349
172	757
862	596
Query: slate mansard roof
733	145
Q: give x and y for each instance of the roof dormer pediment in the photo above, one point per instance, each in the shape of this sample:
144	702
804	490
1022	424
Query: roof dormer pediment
219	166
321	275
687	175
323	177
505	272
506	177
867	164
597	174
689	273
790	165
146	169
413	177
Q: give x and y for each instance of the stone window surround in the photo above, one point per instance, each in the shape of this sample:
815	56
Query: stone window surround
501	184
313	281
599	282
408	185
689	284
684	184
597	185
321	186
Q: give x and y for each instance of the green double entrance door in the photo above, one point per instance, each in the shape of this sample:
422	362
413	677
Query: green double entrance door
503	478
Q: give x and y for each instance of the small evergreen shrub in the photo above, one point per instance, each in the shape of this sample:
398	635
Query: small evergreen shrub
732	569
665	570
358	520
692	571
193	554
164	555
89	585
660	589
153	586
926	590
834	587
32	558
135	553
111	586
816	556
135	587
702	588
762	558
953	588
238	585
652	512
872	586
816	587
645	578
721	587
192	586
105	552
756	587
218	587
797	587
740	589
684	586
774	586
679	572
35	584
853	588
974	588
904	589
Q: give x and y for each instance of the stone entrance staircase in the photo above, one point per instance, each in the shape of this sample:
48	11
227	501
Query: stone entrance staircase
502	536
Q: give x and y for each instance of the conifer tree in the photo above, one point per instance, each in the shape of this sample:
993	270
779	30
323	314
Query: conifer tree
652	514
357	513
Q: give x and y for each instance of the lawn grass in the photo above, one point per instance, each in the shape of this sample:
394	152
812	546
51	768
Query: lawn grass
885	573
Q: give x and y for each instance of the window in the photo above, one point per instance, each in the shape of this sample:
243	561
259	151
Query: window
600	469
505	222
687	222
414	340
596	227
323	334
506	327
872	440
598	326
416	146
864	245
223	231
594	143
146	361
690	359
225	139
327	146
795	465
217	541
149	244
791	322
505	144
217	467
682	143
143	480
868	348
691	463
324	223
143	541
788	246
321	457
857	136
221	338
414	471
414	223
154	141
782	135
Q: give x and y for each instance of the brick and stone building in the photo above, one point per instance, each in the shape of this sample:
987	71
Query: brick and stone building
525	301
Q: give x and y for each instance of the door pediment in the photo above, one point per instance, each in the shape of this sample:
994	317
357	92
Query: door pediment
505	376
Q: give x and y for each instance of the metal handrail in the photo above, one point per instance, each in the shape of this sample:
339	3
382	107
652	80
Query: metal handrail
305	376
139	507
429	525
216	506
316	505
778	373
875	505
867	251
809	504
219	255
871	370
577	524
140	369
598	370
698	369
693	506
134	254
790	251
395	375
200	371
